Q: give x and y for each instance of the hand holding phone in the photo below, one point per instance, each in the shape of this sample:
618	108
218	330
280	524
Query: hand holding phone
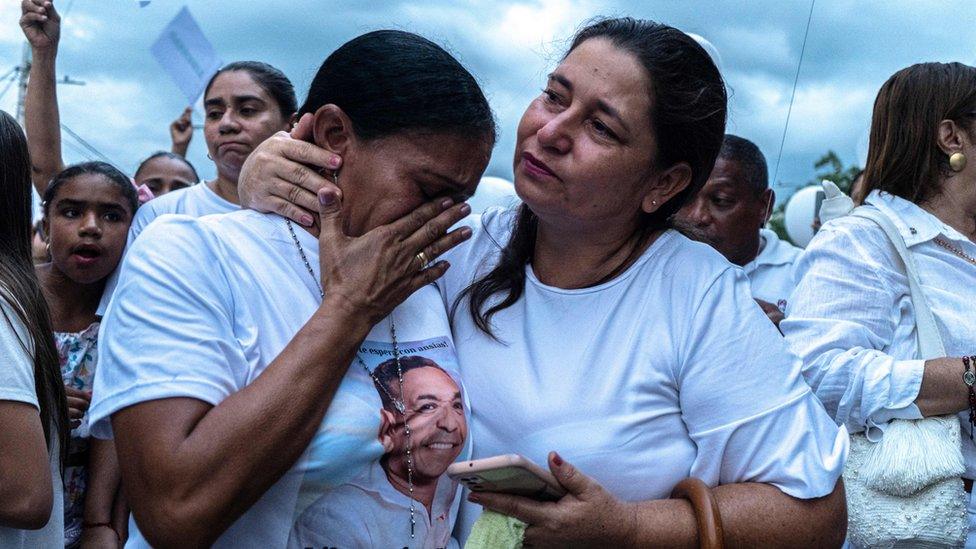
507	474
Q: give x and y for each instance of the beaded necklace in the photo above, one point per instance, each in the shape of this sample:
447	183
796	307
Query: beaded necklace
397	402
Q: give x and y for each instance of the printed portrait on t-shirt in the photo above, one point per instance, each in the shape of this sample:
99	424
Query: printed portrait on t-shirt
402	498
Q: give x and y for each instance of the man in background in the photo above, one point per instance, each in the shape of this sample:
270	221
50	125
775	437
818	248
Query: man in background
730	214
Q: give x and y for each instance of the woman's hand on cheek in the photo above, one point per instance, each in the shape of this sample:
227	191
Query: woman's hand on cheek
587	516
369	275
282	175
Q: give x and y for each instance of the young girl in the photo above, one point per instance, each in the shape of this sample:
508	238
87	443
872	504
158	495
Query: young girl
87	212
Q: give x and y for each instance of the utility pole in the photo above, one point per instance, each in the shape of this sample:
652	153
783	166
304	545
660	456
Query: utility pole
22	73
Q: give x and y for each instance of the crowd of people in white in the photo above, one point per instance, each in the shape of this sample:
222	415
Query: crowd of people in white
293	353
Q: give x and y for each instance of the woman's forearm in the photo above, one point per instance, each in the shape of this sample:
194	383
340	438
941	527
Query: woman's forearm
943	390
199	478
42	120
753	515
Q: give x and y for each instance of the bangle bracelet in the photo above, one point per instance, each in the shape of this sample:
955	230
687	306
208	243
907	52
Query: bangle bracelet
707	517
969	378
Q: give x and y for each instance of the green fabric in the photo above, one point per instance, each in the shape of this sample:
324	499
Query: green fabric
495	531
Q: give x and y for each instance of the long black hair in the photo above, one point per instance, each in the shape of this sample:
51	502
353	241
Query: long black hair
18	282
688	110
391	81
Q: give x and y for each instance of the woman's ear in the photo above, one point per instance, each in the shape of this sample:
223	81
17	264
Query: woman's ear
668	183
332	130
950	137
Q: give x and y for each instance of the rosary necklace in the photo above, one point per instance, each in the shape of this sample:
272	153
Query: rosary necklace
397	402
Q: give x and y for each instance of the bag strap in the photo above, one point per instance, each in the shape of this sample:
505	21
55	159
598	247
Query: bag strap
930	343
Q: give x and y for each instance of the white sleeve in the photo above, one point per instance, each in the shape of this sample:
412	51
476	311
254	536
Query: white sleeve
841	316
740	388
169	331
144	216
16	364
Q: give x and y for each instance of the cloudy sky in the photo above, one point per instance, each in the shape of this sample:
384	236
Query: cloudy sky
128	102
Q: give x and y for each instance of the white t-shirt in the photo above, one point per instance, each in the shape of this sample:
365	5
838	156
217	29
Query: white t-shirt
667	371
493	192
17	385
195	201
204	305
771	272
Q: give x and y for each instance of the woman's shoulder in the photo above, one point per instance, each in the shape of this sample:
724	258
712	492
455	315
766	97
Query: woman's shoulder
685	262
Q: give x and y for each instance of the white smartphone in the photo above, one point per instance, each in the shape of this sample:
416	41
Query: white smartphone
507	474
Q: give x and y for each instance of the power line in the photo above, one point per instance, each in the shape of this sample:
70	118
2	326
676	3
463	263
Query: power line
796	79
87	145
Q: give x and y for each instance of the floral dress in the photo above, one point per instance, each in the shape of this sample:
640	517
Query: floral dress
78	353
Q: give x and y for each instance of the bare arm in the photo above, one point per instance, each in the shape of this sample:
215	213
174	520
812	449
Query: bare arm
190	476
26	493
102	489
786	521
42	27
753	515
943	391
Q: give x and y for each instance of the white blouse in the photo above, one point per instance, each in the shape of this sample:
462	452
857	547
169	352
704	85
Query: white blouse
668	370
852	322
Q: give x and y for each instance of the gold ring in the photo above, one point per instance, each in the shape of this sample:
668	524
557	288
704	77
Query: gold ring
424	262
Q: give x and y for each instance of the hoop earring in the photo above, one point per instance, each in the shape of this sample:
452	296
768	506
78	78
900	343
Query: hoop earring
210	157
957	161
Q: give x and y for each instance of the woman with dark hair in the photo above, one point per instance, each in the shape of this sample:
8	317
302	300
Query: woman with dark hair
87	211
237	405
853	317
584	324
33	411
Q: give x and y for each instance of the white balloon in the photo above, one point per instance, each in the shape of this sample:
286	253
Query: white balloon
710	49
799	214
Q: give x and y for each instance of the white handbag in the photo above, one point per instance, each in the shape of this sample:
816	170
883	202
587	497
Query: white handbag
907	490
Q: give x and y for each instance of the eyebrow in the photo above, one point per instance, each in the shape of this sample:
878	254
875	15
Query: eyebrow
216	101
457	396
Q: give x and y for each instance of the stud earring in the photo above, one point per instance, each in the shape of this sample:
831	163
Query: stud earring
957	161
653	202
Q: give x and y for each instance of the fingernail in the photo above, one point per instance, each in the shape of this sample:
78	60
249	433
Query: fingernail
327	199
334	162
465	209
466	232
474	498
306	220
446	203
557	459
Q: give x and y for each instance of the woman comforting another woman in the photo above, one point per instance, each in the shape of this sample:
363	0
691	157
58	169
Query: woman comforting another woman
583	324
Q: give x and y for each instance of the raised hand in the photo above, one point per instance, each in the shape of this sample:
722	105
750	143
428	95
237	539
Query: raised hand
371	274
181	132
41	24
